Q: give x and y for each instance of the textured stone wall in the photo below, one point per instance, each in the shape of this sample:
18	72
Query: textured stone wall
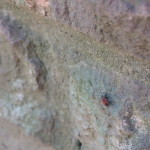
124	22
52	79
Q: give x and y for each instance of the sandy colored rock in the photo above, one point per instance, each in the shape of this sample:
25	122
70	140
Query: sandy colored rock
13	137
123	22
52	79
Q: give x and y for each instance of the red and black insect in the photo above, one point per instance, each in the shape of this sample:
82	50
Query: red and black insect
105	101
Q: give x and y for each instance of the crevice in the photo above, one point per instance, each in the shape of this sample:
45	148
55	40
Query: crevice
78	145
39	66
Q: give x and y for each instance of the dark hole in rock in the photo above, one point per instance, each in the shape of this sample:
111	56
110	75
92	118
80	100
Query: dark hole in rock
79	145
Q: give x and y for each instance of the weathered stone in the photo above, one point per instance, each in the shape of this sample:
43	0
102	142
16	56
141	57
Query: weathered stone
13	138
123	116
125	23
52	79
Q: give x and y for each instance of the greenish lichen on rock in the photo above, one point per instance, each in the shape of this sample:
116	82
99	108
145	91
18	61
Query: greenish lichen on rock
123	22
52	79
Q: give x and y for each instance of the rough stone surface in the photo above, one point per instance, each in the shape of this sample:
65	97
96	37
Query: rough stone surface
13	138
125	23
52	79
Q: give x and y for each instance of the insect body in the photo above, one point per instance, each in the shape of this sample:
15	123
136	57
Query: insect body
105	101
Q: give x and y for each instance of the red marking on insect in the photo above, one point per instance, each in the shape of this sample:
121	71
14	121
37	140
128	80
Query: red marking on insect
105	101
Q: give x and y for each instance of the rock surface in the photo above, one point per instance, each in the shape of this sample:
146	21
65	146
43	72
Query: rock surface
52	79
13	138
125	23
